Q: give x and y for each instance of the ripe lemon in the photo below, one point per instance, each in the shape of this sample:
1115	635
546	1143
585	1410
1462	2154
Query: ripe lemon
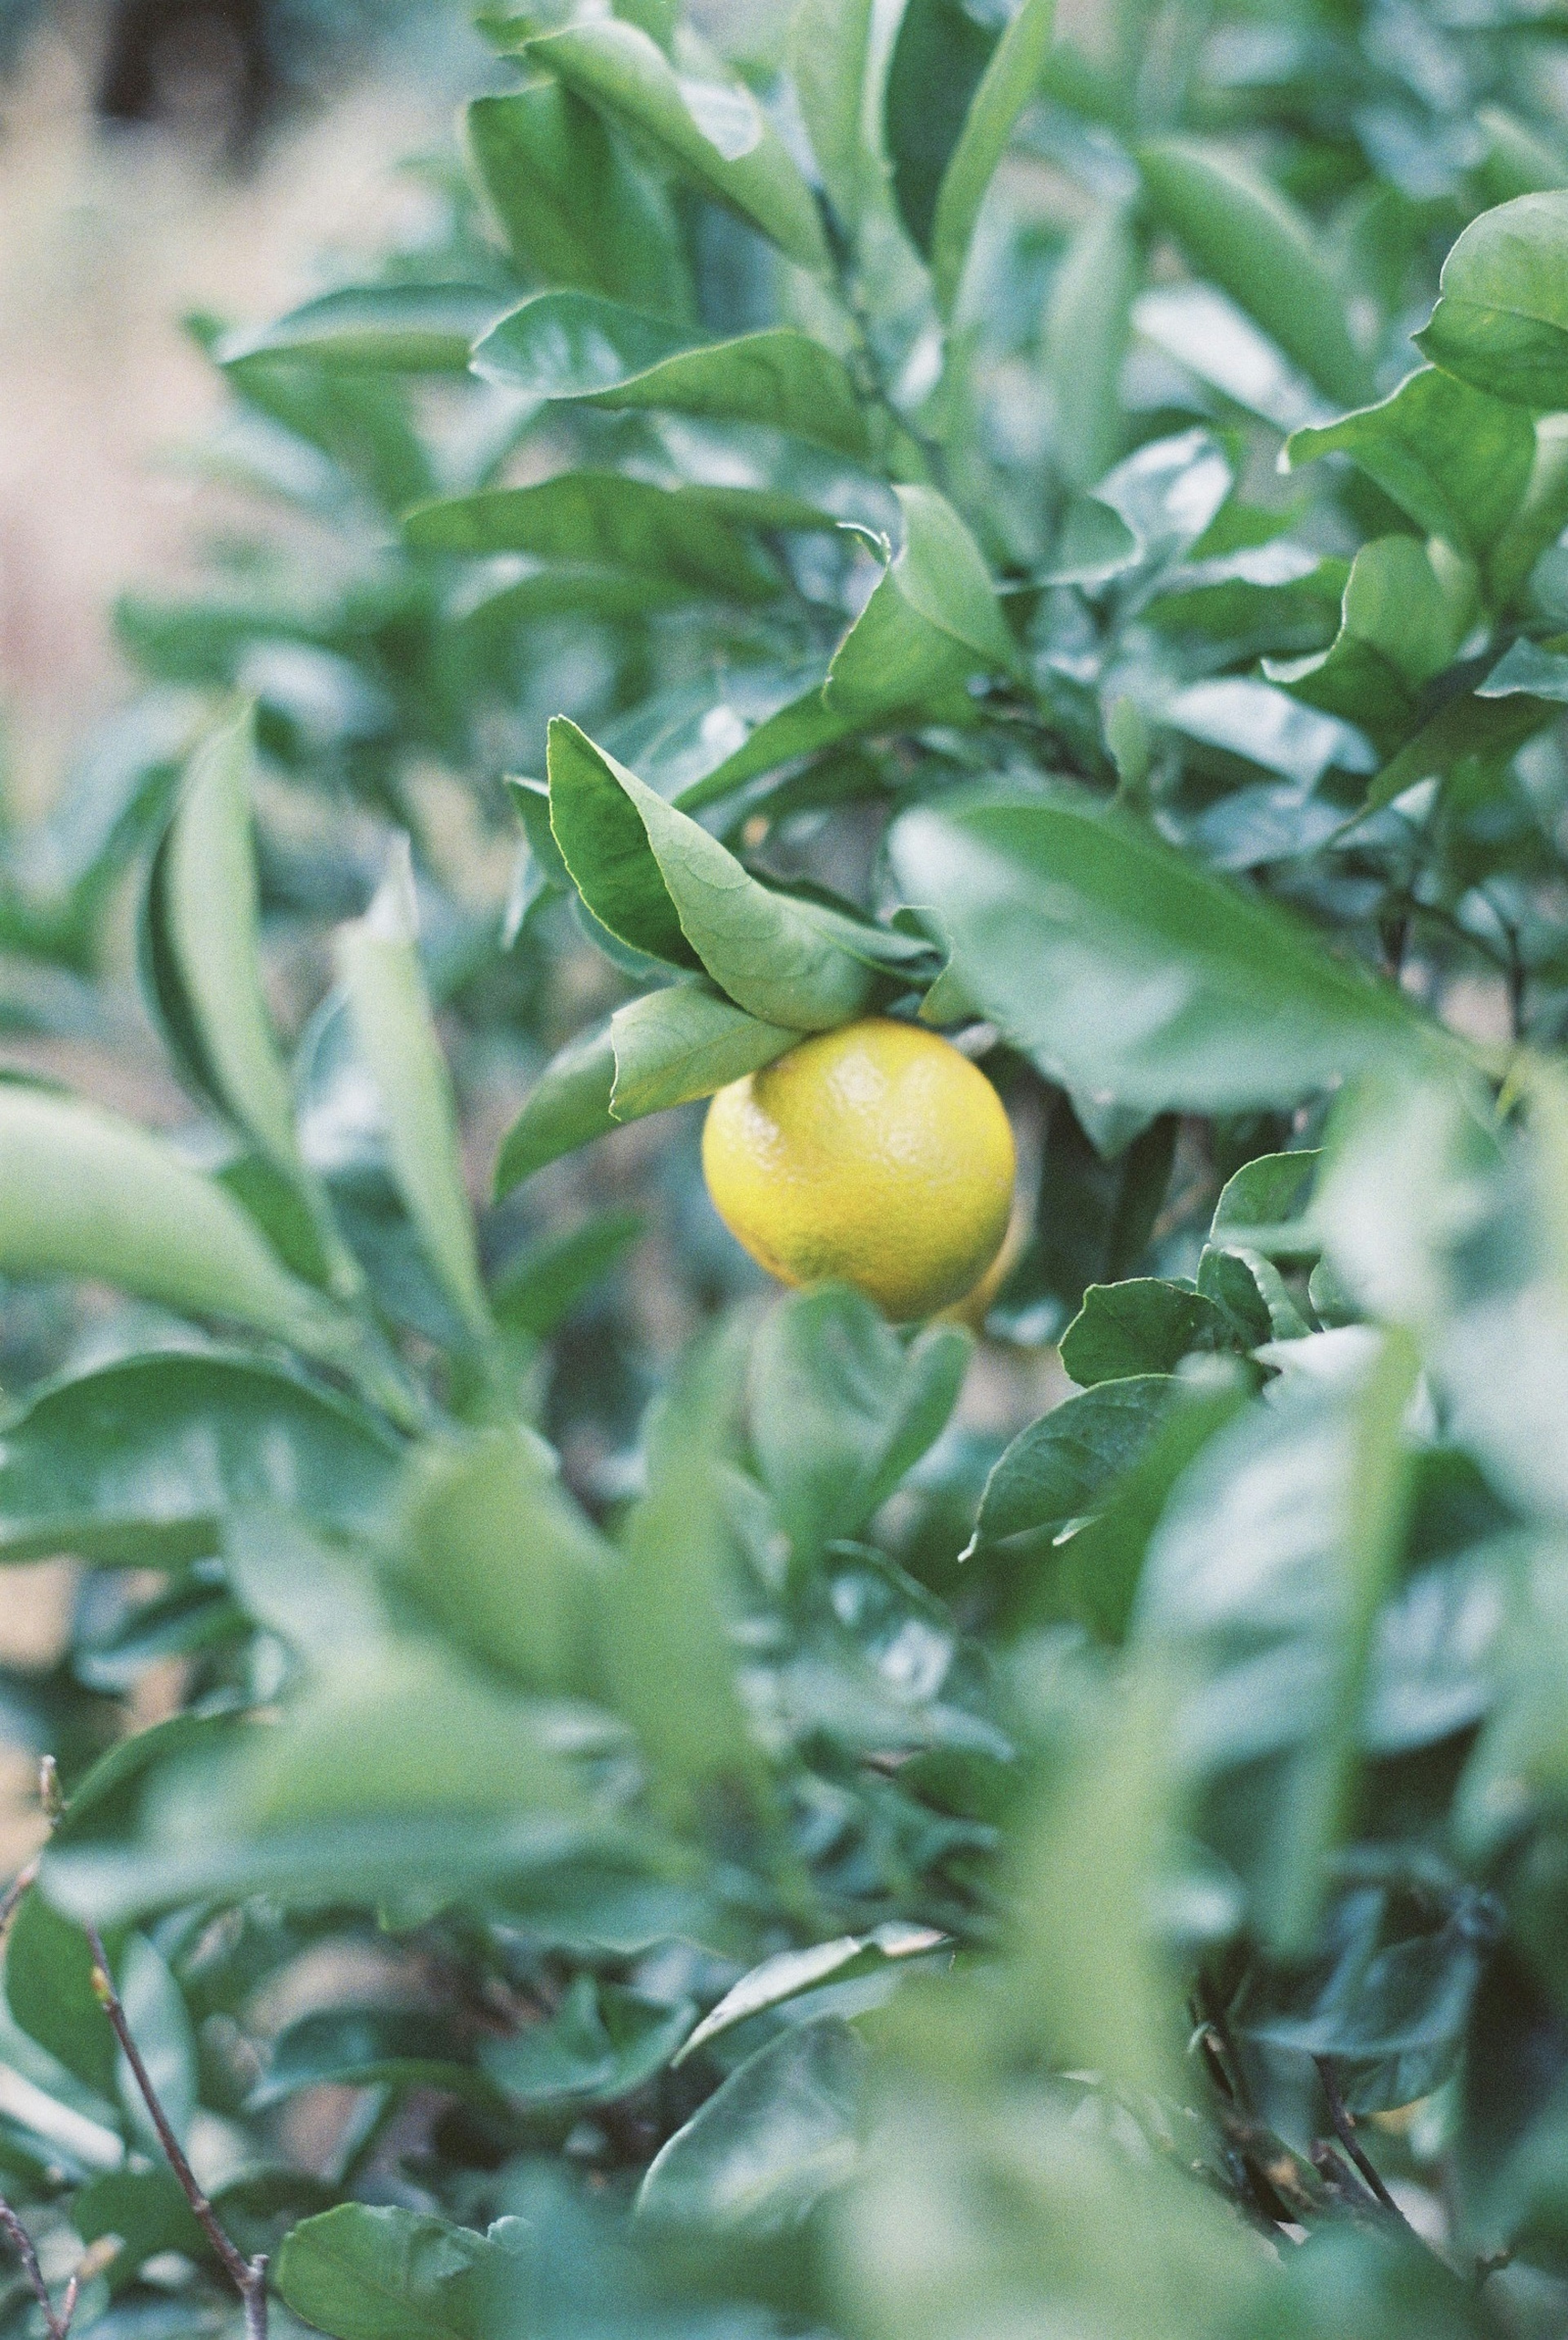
874	1154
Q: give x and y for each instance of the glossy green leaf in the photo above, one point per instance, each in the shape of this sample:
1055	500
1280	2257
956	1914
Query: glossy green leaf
1011	78
1092	545
938	62
1454	458
568	1106
380	966
662	884
363	2273
830	48
803	727
1254	244
714	134
766	2147
1063	1467
381	329
1407	607
137	1463
684	1042
84	1194
202	942
605	2042
49	1991
933	622
1264	1203
1141	1326
577	346
606	522
1087	327
1102	1561
575	209
840	1407
497	1553
792	1975
1500	324
1120	969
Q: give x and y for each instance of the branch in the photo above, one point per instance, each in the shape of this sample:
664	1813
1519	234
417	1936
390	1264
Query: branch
22	2244
11	1900
249	2277
1344	2131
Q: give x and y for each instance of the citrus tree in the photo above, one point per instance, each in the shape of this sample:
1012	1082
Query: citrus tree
689	1809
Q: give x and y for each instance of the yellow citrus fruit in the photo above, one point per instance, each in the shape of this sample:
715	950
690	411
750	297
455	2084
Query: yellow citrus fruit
875	1156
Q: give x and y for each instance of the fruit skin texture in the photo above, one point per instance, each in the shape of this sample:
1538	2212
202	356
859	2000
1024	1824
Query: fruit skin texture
875	1156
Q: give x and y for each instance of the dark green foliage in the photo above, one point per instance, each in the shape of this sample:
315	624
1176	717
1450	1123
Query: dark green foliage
695	1813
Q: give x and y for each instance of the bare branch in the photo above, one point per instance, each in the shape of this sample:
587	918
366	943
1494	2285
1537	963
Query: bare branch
1344	2131
21	2242
248	2278
10	1900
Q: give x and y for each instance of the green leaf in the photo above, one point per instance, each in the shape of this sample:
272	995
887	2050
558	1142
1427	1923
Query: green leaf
376	328
668	1655
543	1284
498	1554
791	1974
801	728
713	133
159	2025
137	1464
1285	1537
1262	1204
662	884
84	1194
840	1408
568	1106
1407	607
146	2209
380	968
1142	1327
202	944
603	520
1257	247
1092	545
1011	78
396	2274
605	2043
372	2047
575	209
766	2147
933	620
1455	458
1101	1563
1063	1466
684	1042
598	352
1529	669
49	1990
1120	969
938	62
1087	324
830	48
1500	322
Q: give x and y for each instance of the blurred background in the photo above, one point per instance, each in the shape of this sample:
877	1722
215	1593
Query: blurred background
159	159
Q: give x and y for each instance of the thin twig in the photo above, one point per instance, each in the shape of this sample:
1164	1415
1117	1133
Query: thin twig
10	1900
21	2242
1344	2131
249	2277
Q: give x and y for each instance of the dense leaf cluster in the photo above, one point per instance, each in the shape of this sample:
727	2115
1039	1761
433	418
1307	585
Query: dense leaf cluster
687	1811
